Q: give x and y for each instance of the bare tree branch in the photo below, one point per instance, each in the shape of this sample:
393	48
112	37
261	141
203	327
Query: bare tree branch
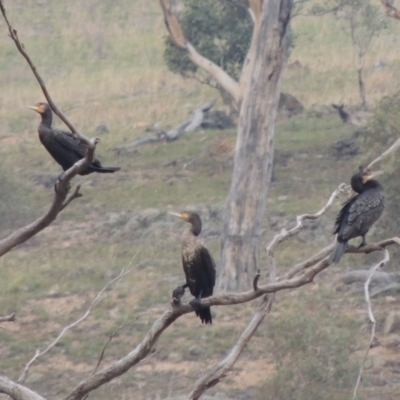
255	7
17	391
99	298
73	196
21	48
173	25
284	235
373	341
8	318
385	154
178	37
61	189
245	75
216	373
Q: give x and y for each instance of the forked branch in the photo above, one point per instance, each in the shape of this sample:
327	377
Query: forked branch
60	201
372	341
216	373
99	298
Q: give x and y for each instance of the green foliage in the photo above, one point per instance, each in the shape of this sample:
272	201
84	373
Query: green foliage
219	30
314	354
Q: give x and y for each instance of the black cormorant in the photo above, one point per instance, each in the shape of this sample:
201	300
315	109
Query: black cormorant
198	265
63	146
359	213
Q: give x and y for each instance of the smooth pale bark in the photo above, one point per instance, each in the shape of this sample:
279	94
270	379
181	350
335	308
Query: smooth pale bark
245	205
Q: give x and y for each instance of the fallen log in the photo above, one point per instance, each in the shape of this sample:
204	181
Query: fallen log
192	123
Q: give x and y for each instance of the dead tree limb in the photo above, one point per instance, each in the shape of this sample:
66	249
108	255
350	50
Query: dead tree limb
17	391
193	122
216	373
178	37
8	318
372	341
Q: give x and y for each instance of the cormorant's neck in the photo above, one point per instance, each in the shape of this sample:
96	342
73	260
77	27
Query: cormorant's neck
196	227
47	118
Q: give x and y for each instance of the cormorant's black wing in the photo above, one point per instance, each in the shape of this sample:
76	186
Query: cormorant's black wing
69	142
72	144
200	272
209	270
343	214
363	213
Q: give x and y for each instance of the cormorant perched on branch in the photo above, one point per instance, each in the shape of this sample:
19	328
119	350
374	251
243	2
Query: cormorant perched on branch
198	265
359	213
63	146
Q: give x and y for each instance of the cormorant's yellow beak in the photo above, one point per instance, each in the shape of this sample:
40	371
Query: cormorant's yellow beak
178	214
370	175
39	108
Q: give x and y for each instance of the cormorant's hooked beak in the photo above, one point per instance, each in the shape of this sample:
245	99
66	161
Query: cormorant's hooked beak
370	175
374	174
34	108
178	214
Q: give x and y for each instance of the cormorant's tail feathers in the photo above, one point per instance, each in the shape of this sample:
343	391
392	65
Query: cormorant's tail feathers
104	169
205	315
337	252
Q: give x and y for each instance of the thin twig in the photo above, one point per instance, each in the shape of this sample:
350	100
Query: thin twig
21	48
286	234
95	302
111	337
76	194
372	340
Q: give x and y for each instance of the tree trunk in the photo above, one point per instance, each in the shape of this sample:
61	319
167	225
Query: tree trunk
245	204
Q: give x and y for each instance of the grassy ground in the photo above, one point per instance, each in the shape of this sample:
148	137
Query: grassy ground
102	62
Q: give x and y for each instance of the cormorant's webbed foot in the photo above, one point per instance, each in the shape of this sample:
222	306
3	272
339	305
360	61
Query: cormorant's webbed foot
196	303
178	293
